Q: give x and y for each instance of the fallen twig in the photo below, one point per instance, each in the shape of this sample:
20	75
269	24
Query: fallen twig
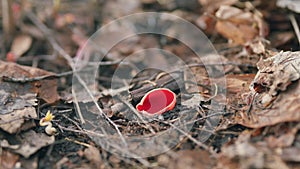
50	38
74	122
77	142
166	81
295	26
138	115
100	110
33	79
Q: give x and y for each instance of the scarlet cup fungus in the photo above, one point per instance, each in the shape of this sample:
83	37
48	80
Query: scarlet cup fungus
157	101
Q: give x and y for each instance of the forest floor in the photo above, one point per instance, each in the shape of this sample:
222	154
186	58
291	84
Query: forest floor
76	75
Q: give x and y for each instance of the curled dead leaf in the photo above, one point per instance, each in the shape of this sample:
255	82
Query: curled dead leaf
239	26
276	91
277	72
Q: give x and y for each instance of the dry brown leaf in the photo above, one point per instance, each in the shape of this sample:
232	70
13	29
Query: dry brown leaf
207	22
8	160
10	101
277	96
17	99
285	108
30	142
63	20
236	33
217	59
12	122
46	89
257	46
276	73
238	83
239	26
234	15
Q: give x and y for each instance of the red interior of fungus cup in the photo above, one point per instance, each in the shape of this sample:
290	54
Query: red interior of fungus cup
157	101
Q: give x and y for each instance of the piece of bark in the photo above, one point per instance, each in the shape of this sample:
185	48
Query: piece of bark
173	83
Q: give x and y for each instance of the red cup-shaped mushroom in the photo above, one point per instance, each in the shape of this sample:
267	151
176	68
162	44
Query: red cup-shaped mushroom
157	101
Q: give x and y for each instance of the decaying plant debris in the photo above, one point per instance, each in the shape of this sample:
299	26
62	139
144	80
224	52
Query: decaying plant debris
258	117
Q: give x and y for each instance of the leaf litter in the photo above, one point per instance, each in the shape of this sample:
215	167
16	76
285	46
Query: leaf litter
260	128
18	100
275	91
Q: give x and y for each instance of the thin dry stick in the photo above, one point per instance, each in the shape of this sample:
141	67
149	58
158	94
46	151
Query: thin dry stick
137	113
50	38
206	117
13	120
78	142
74	122
297	69
106	63
69	59
59	49
295	26
251	105
38	78
77	107
100	110
33	79
86	132
139	116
